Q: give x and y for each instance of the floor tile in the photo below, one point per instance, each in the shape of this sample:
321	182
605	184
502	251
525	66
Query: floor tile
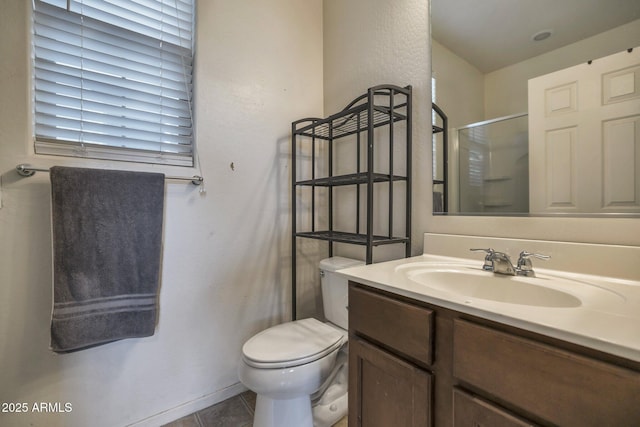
188	421
249	398
230	413
236	411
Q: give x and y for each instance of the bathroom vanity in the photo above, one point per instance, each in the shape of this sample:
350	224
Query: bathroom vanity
428	356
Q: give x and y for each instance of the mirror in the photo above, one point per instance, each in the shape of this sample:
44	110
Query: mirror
483	55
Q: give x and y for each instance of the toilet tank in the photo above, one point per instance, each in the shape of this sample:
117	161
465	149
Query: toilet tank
335	293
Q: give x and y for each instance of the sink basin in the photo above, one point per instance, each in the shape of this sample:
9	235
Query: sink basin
485	285
470	282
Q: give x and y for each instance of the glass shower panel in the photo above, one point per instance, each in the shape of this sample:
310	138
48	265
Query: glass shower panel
494	166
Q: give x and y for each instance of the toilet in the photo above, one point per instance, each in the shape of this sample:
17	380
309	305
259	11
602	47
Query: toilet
298	369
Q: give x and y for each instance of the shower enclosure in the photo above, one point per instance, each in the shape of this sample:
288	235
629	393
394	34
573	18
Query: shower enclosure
493	166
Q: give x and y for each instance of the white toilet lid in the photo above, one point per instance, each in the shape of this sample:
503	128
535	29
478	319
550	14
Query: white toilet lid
291	344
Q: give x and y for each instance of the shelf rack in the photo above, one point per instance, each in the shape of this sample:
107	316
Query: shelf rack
441	127
381	106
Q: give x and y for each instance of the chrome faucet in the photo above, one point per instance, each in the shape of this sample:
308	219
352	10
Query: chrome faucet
488	262
500	263
525	267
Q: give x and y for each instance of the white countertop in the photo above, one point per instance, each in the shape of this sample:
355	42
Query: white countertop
607	319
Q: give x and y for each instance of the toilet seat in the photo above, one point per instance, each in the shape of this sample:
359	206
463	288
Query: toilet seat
291	344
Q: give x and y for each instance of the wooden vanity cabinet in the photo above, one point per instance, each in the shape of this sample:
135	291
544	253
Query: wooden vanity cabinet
390	344
417	364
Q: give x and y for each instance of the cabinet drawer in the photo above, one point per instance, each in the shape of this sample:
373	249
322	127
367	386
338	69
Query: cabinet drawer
558	386
472	411
405	328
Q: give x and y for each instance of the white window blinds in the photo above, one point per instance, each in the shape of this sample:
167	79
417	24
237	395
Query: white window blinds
113	79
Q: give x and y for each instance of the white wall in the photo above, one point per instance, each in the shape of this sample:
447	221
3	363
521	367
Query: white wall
226	266
372	42
459	87
506	89
465	92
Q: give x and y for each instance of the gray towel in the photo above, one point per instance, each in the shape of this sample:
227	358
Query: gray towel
107	237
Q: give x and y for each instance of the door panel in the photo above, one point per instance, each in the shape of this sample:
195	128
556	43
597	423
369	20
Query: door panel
584	137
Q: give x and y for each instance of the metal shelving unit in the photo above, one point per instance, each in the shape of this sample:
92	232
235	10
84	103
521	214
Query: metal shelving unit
382	115
441	127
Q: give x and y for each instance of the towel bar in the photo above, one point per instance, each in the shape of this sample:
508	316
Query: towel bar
26	170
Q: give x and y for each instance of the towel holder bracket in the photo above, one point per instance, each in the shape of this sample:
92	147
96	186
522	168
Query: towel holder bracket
24	170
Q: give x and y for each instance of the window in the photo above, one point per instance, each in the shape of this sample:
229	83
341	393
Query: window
113	79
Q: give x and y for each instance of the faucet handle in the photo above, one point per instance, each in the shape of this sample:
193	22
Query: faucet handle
524	262
488	250
488	262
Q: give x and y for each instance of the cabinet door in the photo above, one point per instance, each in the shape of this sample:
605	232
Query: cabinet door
470	411
563	388
384	390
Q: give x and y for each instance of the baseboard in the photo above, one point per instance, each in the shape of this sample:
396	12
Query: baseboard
187	408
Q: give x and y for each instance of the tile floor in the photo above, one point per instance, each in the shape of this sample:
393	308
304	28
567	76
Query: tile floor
236	411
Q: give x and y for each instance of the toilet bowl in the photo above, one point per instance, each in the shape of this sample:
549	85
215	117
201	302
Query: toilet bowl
298	369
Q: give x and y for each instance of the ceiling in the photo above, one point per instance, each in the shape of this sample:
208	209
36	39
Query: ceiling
491	34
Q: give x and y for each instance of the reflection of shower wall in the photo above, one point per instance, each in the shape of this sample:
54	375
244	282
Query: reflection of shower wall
494	166
471	158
